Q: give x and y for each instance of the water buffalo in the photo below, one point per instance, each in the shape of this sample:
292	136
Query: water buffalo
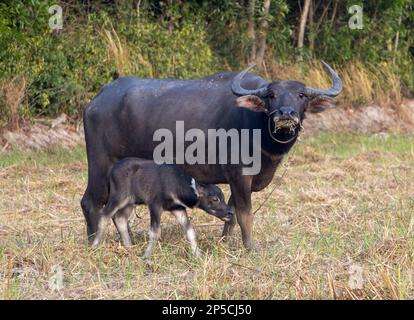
121	121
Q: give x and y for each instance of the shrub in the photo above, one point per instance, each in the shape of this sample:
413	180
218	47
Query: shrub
101	40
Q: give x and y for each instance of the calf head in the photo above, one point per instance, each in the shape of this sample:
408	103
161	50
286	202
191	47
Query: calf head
285	102
211	200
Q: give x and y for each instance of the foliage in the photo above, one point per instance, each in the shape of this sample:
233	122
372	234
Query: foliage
104	39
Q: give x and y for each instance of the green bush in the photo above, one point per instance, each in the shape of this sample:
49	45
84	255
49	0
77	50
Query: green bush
103	39
182	53
66	68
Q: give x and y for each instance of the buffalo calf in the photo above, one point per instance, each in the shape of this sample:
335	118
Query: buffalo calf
135	181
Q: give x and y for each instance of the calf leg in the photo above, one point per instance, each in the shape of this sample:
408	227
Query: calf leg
105	215
154	231
121	223
182	219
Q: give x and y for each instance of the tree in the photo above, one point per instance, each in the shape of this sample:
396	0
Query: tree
302	25
264	29
251	33
258	41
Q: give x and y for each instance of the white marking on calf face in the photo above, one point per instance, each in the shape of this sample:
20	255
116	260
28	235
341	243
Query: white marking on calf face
193	186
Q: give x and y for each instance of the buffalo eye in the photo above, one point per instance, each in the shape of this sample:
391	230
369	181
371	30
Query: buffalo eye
302	95
271	95
215	199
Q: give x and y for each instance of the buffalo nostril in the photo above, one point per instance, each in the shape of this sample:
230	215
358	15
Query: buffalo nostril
287	111
293	113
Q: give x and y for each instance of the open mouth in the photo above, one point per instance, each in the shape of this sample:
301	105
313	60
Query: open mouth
226	218
222	216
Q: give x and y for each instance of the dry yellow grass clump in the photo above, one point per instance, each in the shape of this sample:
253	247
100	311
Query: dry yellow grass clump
126	61
339	226
12	95
363	84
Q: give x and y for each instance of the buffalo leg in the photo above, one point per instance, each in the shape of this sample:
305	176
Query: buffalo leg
182	219
241	193
154	231
229	225
91	203
96	194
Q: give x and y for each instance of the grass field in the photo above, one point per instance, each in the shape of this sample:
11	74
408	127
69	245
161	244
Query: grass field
340	225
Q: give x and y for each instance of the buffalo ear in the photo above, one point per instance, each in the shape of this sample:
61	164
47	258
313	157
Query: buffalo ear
321	103
253	103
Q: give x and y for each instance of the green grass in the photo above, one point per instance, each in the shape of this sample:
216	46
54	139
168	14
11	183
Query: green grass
346	203
345	145
42	158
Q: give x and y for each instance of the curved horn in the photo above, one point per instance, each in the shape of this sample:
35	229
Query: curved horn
332	91
237	88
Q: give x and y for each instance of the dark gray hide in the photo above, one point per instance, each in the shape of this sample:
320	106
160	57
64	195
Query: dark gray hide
121	120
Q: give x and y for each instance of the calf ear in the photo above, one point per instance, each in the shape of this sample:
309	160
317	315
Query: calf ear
253	103
201	189
321	103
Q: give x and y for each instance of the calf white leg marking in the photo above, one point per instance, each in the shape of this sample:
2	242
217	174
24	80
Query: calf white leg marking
182	219
99	233
107	213
122	226
191	236
153	238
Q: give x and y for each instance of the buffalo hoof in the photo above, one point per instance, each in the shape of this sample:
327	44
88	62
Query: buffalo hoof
251	246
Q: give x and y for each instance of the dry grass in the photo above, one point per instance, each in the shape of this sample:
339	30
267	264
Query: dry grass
126	61
117	51
340	226
12	94
362	84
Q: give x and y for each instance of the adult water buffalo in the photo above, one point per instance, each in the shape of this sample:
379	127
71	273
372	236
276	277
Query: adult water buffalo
121	120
